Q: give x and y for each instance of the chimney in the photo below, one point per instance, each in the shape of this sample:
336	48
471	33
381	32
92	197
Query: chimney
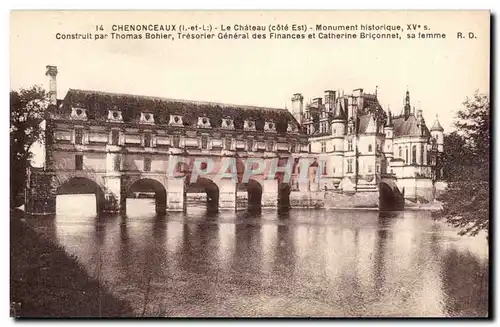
52	73
329	99
298	107
318	101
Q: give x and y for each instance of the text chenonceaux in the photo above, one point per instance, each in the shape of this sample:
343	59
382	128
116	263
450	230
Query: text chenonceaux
248	31
262	28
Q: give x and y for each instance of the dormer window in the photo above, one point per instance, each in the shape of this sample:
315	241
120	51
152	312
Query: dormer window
227	123
175	120
292	128
249	125
146	118
78	113
269	126
115	115
203	122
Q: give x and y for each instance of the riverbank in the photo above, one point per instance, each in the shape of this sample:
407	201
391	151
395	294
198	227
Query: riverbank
46	282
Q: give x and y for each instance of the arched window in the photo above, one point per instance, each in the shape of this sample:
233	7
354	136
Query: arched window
400	152
406	160
370	148
414	154
421	154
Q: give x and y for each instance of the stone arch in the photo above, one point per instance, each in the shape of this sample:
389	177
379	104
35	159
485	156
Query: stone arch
81	185
210	188
254	190
64	177
148	185
390	198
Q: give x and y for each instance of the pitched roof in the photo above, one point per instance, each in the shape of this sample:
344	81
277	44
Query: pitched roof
437	126
98	103
408	127
363	122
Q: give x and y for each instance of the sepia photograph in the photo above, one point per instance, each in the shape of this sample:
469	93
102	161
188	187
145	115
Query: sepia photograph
250	164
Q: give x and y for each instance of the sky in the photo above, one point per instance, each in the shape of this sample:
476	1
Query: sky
439	74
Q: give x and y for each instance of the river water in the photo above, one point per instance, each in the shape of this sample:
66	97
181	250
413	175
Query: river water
303	263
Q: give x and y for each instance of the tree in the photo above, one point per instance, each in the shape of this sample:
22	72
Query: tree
467	155
27	108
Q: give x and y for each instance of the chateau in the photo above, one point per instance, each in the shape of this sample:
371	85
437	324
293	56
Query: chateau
351	152
359	143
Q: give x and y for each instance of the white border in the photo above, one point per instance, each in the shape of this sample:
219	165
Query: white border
8	5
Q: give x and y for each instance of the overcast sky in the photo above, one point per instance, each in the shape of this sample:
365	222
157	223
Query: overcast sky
438	73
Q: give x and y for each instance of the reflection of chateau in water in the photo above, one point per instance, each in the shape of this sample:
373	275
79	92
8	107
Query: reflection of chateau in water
308	263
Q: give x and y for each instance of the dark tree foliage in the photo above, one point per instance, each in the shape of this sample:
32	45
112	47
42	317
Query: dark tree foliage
466	165
27	108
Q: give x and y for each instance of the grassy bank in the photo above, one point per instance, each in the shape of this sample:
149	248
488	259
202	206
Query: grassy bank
46	282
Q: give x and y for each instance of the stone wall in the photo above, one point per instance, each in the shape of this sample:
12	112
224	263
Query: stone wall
355	200
307	200
417	189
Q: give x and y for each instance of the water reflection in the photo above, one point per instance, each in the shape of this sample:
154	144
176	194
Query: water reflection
304	263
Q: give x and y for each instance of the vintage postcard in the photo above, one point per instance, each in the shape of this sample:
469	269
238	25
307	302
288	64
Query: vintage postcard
249	164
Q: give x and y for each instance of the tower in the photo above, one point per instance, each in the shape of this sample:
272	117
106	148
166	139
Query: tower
298	107
388	144
52	74
407	107
437	133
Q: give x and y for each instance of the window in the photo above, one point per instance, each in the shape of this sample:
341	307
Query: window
406	161
292	147
270	146
334	131
115	135
377	167
349	145
333	169
323	146
204	142
176	140
116	163
250	145
147	140
414	154
334	148
310	149
349	165
228	143
79	136
400	152
324	168
147	164
370	149
422	154
350	129
378	147
79	162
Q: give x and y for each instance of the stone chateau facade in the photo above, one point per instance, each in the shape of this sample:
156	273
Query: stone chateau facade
359	143
117	145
